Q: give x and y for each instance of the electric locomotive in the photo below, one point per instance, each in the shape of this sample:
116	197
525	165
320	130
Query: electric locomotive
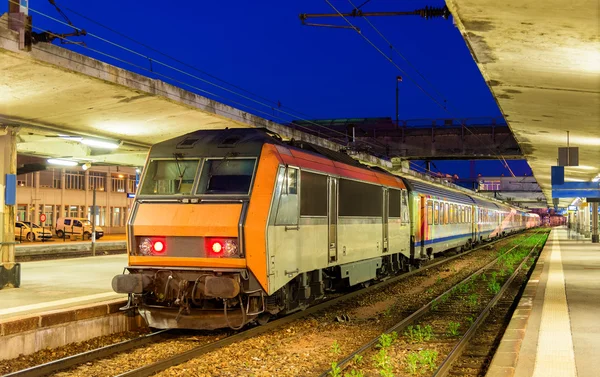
234	226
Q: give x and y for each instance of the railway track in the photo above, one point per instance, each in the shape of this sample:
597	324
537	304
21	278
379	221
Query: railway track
445	304
150	369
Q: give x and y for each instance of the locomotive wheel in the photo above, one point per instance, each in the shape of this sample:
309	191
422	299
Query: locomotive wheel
263	318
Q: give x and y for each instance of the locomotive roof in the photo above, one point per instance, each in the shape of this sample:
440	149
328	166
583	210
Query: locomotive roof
248	142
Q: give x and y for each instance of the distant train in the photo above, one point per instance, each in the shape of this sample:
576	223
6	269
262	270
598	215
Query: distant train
234	226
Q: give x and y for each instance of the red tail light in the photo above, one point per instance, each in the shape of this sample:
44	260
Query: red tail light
216	247
221	247
159	247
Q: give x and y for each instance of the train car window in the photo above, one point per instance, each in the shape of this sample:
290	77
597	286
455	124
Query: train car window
404	207
395	206
169	177
462	214
455	213
436	213
313	194
451	215
360	199
445	213
429	213
287	209
441	213
226	176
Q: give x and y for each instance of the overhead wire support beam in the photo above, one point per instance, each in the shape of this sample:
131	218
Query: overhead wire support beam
427	13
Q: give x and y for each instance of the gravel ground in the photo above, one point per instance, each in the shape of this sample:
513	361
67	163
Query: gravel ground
141	356
47	355
305	347
308	346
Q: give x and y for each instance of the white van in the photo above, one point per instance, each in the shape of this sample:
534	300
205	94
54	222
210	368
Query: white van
77	225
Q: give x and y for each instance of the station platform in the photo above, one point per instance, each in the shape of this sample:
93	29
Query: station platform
555	330
62	283
37	250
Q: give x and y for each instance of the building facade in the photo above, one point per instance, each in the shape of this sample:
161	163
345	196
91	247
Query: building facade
68	192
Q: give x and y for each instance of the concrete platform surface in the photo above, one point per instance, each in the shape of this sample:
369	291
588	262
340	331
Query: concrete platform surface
555	330
57	247
62	283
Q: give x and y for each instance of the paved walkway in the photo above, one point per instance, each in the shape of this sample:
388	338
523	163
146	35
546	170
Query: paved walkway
61	283
555	330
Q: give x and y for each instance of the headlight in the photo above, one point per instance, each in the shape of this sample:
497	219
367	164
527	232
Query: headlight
145	246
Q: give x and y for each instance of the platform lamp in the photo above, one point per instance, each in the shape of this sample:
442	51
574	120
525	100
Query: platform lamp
398	79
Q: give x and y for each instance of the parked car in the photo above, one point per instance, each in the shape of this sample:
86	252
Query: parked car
25	230
78	226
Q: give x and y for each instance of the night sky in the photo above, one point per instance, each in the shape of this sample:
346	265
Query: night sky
313	72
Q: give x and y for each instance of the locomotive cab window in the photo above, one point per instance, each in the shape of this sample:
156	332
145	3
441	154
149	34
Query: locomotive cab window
227	176
287	192
169	177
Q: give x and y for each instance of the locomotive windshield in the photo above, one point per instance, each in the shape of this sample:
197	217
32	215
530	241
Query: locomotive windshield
226	176
169	177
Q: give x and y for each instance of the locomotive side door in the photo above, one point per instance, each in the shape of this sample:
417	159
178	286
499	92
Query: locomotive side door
386	215
332	217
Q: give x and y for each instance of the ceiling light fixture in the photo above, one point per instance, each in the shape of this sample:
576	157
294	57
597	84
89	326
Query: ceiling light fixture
86	166
104	144
55	161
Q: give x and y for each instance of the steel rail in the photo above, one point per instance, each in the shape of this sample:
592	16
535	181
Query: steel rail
84	357
420	312
444	368
161	365
71	361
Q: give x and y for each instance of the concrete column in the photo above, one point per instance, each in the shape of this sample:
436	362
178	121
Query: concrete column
595	237
63	183
10	272
88	188
586	220
108	193
36	198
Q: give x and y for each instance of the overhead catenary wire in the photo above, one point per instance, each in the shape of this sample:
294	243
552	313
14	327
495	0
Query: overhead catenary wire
274	106
499	157
398	52
184	84
344	135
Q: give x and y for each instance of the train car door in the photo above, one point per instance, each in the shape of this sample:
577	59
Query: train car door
332	217
423	225
473	225
386	215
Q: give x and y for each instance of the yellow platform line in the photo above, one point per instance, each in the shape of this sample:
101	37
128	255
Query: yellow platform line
555	355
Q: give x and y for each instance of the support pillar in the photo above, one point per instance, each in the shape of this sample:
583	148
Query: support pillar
595	238
10	271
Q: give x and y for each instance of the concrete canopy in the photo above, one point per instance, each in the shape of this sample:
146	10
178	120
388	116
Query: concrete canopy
541	60
52	91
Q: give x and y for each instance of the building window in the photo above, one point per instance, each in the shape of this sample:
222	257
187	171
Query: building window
486	185
97	180
74	181
21	214
118	184
116	216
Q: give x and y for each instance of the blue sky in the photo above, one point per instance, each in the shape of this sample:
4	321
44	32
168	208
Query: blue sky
319	72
